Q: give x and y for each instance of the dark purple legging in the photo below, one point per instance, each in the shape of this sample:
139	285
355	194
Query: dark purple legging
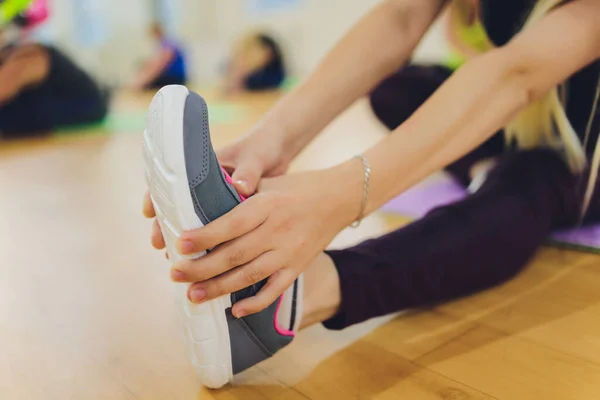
465	247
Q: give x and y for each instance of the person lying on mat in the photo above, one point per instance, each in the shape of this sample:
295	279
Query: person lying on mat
509	103
166	67
257	65
41	89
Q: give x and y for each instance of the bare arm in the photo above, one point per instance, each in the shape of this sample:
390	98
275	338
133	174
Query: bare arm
154	67
376	47
289	219
480	99
25	66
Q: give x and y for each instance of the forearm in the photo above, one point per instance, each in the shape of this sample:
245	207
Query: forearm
468	108
148	74
380	44
234	80
478	100
483	96
154	68
472	105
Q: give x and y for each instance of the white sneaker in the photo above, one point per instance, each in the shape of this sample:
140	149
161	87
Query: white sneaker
189	189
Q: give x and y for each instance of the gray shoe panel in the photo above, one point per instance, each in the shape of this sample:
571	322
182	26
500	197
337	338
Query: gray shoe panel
263	323
252	338
211	193
246	349
212	197
196	139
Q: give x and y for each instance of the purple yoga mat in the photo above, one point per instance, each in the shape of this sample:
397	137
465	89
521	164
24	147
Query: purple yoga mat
440	191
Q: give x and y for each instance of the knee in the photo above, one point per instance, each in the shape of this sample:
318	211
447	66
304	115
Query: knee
401	94
397	97
29	53
30	65
386	104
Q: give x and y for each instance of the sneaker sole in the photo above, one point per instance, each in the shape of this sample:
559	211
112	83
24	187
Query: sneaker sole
204	325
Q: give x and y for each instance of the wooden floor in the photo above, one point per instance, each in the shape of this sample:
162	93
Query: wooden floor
86	309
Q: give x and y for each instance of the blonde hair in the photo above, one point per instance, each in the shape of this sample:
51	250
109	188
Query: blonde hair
545	122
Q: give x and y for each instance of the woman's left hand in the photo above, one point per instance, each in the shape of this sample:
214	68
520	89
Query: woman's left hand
274	234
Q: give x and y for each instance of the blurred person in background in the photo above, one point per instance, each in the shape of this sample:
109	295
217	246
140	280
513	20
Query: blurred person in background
257	65
166	67
41	89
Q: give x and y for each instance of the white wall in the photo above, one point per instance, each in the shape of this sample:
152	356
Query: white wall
207	28
115	58
307	31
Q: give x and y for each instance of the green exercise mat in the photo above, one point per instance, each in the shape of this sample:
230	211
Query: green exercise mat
120	122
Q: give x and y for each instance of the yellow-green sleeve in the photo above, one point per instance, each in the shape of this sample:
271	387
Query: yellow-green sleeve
9	9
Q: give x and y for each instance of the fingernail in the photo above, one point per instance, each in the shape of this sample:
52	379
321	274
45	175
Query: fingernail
239	314
197	295
187	246
177	275
241	183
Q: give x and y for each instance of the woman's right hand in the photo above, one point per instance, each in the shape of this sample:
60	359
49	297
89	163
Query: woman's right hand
258	154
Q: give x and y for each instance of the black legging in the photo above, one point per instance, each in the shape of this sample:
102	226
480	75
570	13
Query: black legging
464	247
67	96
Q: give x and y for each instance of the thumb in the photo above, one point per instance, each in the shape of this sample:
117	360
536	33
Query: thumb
247	176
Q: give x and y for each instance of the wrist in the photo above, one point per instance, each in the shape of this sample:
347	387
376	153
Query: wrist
278	136
294	123
347	181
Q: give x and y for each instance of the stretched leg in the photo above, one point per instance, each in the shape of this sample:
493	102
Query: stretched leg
455	250
397	97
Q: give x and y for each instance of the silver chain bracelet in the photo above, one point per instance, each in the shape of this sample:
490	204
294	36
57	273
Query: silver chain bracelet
363	205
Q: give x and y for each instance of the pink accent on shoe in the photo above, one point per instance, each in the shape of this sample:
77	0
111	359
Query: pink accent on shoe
230	181
280	330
